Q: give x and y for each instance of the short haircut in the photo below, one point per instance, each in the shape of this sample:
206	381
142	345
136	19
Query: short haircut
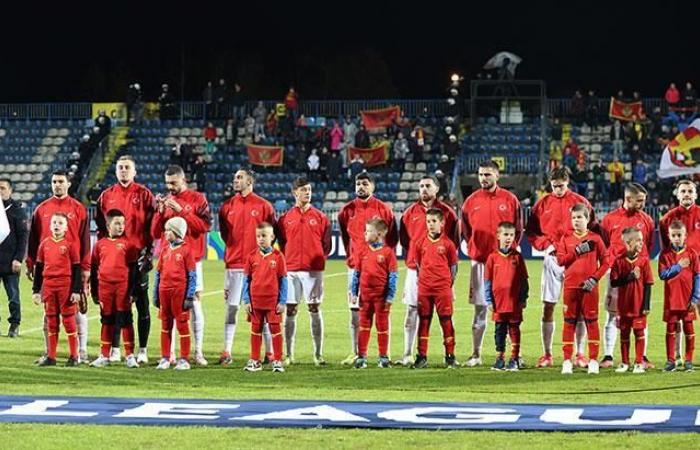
505	225
681	182
489	164
112	213
6	180
60	214
628	232
379	225
300	182
127	158
174	170
635	189
364	175
60	173
677	225
264	225
433	178
560	173
437	212
249	172
581	208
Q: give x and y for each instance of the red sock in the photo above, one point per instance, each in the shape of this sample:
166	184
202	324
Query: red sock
689	332
183	329
52	325
625	344
593	338
128	338
671	341
106	339
71	327
423	334
568	331
363	334
277	341
166	336
639	341
514	333
255	340
448	334
382	321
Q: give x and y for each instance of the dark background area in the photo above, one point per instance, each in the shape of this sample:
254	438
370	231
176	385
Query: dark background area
340	50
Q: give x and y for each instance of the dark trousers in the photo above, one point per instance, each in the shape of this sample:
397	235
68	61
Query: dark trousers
11	283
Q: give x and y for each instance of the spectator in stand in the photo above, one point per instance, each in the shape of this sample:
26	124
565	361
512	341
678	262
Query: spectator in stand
620	96
271	123
617	175
578	108
166	103
639	173
291	103
302	129
238	103
231	132
672	96
447	165
334	166
133	103
592	109
221	97
400	152
555	155
250	125
175	153
336	135
617	136
208	98
349	131
689	96
579	175
556	132
572	153
357	166
259	114
451	147
103	122
362	139
600	185
313	163
443	189
417	143
636	97
199	173
209	134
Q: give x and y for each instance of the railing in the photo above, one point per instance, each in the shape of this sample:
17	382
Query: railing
45	111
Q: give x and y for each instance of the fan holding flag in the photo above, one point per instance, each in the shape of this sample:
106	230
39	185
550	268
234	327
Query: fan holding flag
682	154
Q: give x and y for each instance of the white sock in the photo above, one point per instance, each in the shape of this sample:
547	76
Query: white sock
230	327
267	338
82	321
610	333
198	326
580	336
317	332
354	328
478	327
547	330
290	331
410	329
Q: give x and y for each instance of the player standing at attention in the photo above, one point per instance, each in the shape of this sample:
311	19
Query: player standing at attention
550	220
482	211
57	283
680	269
630	214
585	259
411	228
174	292
436	261
507	289
376	275
631	274
264	296
352	218
194	208
304	237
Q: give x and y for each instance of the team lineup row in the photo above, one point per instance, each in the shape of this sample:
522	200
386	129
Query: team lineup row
270	282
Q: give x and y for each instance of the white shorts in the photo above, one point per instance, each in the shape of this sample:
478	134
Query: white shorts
610	295
552	279
477	296
308	285
410	288
200	277
233	286
352	303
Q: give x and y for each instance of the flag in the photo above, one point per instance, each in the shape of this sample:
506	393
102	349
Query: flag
4	224
682	154
624	111
379	118
375	156
263	155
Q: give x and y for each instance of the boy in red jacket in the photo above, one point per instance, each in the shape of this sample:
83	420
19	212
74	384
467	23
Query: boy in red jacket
584	257
57	283
631	274
113	283
507	289
264	296
680	269
375	277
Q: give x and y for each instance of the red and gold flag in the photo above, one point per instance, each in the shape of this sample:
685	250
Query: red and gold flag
375	156
264	155
624	111
380	118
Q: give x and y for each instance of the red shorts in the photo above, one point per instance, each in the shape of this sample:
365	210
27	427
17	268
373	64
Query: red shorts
678	316
259	316
113	297
635	323
171	304
508	317
579	303
372	305
56	294
441	301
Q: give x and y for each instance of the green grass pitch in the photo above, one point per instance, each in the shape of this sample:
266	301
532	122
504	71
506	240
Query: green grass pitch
18	376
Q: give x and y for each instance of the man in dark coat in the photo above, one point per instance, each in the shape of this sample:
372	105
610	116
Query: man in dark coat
12	253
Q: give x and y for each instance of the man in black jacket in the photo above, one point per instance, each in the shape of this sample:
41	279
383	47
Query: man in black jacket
12	252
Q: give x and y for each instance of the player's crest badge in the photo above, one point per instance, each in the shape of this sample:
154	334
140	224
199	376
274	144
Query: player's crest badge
188	208
135	200
502	207
255	213
697	225
380	258
71	215
121	246
63	249
273	264
178	257
639	225
441	250
312	222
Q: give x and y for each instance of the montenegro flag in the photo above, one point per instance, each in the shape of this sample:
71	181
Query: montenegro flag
264	155
682	154
624	111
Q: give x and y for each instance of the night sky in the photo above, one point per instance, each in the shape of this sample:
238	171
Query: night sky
341	50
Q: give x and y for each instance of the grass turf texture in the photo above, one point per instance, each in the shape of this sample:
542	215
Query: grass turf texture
18	376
